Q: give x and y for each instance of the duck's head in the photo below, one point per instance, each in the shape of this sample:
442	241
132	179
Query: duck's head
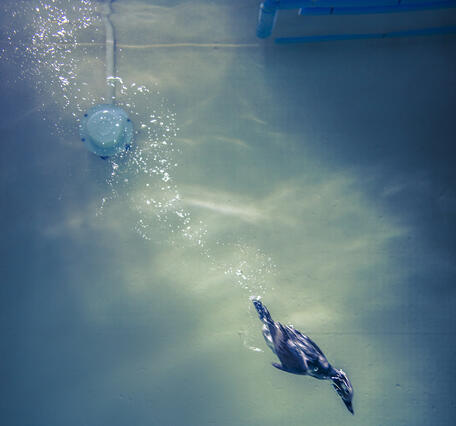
344	388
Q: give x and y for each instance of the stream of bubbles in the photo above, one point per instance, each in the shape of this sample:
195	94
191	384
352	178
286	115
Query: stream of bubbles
43	42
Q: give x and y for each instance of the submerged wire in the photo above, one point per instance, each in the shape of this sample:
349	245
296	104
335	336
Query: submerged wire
110	51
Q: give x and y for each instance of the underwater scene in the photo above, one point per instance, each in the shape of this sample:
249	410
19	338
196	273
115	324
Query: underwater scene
206	221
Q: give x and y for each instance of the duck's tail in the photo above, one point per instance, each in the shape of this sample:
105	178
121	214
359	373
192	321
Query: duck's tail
263	312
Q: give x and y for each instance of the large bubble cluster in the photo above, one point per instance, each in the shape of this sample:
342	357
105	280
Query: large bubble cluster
43	35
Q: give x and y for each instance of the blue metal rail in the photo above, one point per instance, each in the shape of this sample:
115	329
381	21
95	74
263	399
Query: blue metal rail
269	11
338	37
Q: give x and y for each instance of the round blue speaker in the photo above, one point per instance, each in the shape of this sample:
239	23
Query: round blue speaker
106	130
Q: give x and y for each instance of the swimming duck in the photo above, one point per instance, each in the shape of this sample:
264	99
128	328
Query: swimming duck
298	354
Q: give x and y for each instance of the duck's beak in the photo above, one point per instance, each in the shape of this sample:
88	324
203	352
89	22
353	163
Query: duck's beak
349	406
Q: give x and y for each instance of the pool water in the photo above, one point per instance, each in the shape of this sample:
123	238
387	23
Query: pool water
319	177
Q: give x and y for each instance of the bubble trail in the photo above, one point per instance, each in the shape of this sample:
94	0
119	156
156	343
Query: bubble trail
144	179
43	42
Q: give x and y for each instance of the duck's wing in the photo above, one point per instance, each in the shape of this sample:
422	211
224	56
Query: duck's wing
291	356
313	354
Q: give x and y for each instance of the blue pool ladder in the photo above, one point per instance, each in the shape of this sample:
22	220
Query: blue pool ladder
269	10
